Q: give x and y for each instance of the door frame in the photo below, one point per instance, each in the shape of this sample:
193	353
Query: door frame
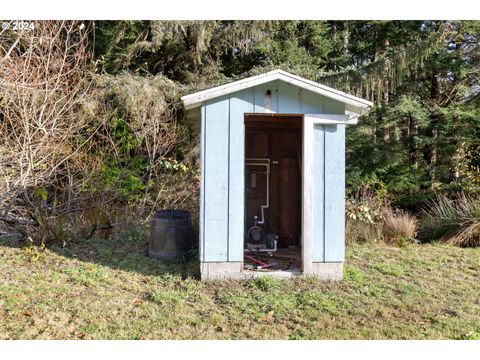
307	174
287	125
307	193
308	189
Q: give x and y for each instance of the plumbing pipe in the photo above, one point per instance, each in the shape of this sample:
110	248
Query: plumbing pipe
263	250
267	165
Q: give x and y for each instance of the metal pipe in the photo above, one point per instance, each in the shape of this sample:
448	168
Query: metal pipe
267	165
263	250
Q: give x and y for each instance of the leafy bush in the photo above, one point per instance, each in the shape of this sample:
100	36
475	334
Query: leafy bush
364	221
121	181
369	220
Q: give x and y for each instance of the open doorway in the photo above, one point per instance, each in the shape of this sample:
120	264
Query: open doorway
273	193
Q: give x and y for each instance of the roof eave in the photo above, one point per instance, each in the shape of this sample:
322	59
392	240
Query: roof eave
353	103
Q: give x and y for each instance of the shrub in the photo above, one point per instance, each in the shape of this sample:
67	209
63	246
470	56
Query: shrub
110	150
440	217
369	220
456	221
468	237
360	232
364	221
399	228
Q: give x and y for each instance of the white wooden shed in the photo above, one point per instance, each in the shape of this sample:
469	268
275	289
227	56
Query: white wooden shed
272	176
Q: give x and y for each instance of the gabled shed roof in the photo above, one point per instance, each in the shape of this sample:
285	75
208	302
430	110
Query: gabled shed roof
353	103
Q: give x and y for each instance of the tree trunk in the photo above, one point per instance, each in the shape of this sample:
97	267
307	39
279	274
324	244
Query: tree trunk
346	39
435	119
385	99
412	134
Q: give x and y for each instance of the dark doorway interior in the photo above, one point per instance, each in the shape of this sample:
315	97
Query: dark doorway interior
273	149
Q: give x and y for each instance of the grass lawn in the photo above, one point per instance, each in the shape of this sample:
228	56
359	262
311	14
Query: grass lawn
109	289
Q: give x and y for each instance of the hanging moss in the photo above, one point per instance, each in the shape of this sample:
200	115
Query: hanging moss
373	80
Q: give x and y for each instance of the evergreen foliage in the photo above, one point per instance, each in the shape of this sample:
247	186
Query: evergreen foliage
423	135
130	137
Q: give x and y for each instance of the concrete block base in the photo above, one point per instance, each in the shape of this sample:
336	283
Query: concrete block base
221	270
327	271
234	271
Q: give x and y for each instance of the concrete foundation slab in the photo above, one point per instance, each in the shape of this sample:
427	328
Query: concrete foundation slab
221	270
235	271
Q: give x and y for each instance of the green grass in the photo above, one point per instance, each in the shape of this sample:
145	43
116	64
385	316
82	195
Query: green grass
109	289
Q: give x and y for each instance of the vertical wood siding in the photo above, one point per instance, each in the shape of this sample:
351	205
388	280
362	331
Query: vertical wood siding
312	103
334	175
318	182
202	184
329	193
289	99
240	103
216	165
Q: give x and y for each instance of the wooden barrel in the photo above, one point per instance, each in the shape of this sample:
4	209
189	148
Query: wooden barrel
171	235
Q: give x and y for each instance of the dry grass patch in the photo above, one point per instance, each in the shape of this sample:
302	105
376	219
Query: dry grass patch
399	227
468	237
